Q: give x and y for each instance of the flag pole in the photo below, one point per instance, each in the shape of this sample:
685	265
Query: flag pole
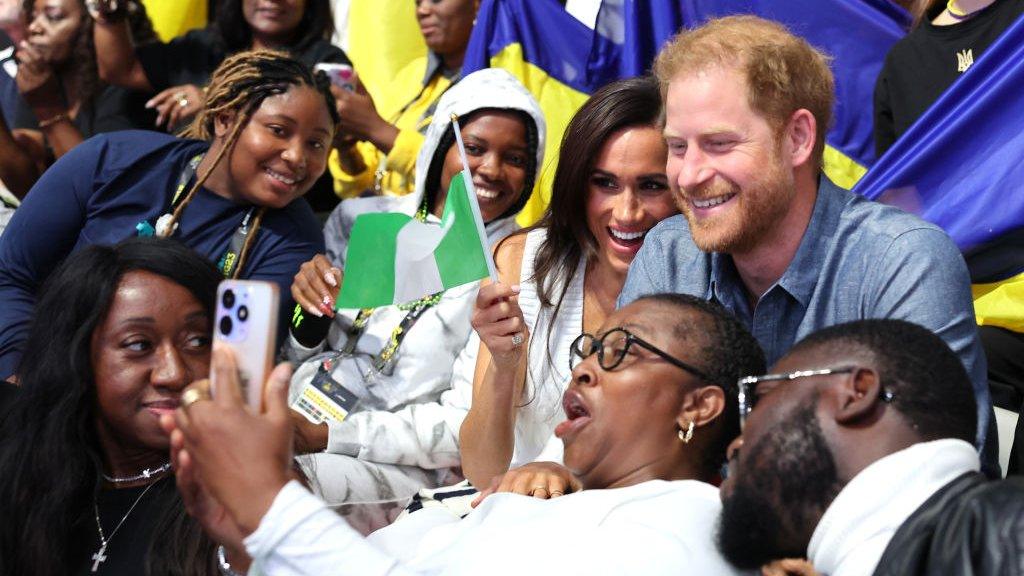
467	178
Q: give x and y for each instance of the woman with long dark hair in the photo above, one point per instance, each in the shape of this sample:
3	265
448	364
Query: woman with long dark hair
86	485
562	277
178	70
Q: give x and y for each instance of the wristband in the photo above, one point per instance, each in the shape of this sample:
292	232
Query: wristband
307	329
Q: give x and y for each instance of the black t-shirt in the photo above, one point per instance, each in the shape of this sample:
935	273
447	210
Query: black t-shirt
921	66
127	547
192	58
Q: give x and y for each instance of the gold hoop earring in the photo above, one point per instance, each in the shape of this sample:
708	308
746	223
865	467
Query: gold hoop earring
688	435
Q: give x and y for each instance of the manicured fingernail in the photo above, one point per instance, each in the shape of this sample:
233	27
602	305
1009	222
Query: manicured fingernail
515	288
315	312
150	104
329	278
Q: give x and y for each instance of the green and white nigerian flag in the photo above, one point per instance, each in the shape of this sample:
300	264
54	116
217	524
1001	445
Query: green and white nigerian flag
394	258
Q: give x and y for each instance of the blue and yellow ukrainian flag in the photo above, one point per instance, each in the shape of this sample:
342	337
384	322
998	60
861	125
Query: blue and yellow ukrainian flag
960	167
547	50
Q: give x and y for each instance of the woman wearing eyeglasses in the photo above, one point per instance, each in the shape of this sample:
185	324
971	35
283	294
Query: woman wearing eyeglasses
646	419
560	278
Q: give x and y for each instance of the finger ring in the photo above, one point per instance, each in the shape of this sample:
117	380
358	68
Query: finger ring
554	493
517	339
193	395
535	488
182	102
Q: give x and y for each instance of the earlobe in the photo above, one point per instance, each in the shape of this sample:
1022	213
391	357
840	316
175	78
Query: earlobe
802	134
858	396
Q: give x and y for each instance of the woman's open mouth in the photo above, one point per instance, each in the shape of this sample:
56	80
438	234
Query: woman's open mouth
577	414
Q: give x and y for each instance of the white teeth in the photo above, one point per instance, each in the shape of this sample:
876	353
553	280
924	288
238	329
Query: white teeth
712	201
281	177
627	235
486	194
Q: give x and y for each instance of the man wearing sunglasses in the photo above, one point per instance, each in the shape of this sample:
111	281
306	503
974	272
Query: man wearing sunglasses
856	452
763	231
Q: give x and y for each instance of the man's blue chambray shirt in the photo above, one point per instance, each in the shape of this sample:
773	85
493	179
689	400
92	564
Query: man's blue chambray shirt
858	259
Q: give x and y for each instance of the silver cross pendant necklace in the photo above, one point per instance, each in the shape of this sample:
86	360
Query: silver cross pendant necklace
100	556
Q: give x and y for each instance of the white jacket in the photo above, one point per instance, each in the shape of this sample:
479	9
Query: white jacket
413	415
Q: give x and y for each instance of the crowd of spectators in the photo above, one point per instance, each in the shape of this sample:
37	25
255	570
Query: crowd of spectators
704	356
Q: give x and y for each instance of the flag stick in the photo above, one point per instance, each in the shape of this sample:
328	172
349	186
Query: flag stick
467	178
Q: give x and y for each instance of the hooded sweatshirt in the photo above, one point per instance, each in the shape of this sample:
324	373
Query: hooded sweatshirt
412	416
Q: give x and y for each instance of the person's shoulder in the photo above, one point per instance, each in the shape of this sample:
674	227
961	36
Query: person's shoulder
205	37
881	227
508	255
352	207
321	50
671	239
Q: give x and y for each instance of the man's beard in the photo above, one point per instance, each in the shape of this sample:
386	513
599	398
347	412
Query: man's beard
776	504
759	207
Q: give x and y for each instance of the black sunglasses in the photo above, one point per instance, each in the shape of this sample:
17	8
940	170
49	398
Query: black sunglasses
612	347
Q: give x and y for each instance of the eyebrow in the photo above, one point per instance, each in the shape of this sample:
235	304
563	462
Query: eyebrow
291	121
472	136
149	320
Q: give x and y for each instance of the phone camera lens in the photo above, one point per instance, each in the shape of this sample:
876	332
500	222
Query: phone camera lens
225	325
243	313
228	299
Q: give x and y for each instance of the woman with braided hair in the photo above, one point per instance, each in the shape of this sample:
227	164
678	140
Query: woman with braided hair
230	191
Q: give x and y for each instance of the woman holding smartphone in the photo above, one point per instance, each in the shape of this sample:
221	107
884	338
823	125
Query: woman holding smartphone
231	191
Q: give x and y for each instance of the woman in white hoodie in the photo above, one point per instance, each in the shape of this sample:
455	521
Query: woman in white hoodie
397	360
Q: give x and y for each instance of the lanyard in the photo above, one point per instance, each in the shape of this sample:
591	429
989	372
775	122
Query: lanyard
227	262
384	361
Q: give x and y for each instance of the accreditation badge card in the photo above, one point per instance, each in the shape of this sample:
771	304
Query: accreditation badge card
323	398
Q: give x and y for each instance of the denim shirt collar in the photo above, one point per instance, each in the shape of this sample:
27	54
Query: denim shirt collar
801	276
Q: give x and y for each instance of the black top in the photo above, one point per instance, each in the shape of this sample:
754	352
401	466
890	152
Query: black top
192	58
114	108
127	548
922	65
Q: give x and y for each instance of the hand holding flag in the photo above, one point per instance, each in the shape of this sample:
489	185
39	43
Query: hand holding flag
394	258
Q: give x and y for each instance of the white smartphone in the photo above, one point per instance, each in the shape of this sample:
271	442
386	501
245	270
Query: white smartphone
341	75
246	321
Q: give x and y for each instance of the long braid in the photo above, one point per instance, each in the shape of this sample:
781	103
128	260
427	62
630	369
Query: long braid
239	86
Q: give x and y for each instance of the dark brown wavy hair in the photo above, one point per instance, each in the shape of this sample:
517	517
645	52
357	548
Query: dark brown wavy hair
630	103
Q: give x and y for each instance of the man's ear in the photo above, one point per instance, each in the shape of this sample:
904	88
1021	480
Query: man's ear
858	396
701	406
223	123
800	136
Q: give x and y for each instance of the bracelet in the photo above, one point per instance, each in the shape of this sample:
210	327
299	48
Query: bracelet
222	563
53	120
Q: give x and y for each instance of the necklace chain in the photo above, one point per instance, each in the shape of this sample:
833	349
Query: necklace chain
100	556
144	475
